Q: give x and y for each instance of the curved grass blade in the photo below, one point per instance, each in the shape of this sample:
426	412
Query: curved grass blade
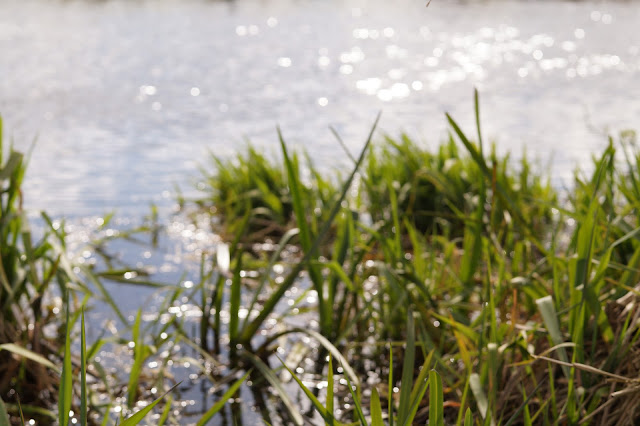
137	417
223	400
21	413
328	418
333	350
270	376
26	353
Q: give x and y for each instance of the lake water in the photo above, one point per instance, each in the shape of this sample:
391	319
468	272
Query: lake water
126	98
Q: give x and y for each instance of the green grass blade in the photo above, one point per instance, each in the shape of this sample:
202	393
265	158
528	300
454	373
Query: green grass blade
524	404
270	376
21	413
332	349
223	400
355	394
65	393
83	374
376	409
140	415
138	357
26	353
165	411
436	399
328	418
468	418
421	388
476	105
330	386
407	372
234	302
390	401
296	195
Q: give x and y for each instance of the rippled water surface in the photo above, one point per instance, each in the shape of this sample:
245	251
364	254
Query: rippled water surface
126	97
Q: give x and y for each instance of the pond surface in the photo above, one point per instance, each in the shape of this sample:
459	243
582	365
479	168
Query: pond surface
126	98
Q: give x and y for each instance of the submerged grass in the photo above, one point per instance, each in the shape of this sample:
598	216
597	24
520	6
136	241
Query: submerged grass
449	287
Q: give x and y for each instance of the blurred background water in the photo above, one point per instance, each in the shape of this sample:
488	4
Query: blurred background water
126	98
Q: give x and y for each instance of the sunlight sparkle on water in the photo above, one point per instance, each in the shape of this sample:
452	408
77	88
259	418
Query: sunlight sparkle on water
346	69
284	62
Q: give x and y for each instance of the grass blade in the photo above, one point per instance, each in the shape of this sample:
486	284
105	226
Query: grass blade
234	302
65	393
138	356
330	389
376	409
468	418
355	394
436	399
407	372
328	418
390	402
550	318
223	400
26	353
270	376
140	415
83	374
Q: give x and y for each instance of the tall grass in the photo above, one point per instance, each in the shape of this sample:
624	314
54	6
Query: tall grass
29	269
453	287
514	291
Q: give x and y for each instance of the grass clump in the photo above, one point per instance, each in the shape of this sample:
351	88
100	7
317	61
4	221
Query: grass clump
30	330
450	287
525	305
37	368
439	190
252	184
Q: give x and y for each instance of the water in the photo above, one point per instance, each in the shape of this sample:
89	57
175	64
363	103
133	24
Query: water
127	97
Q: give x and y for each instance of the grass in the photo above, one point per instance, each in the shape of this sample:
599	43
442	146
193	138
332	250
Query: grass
452	287
512	289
